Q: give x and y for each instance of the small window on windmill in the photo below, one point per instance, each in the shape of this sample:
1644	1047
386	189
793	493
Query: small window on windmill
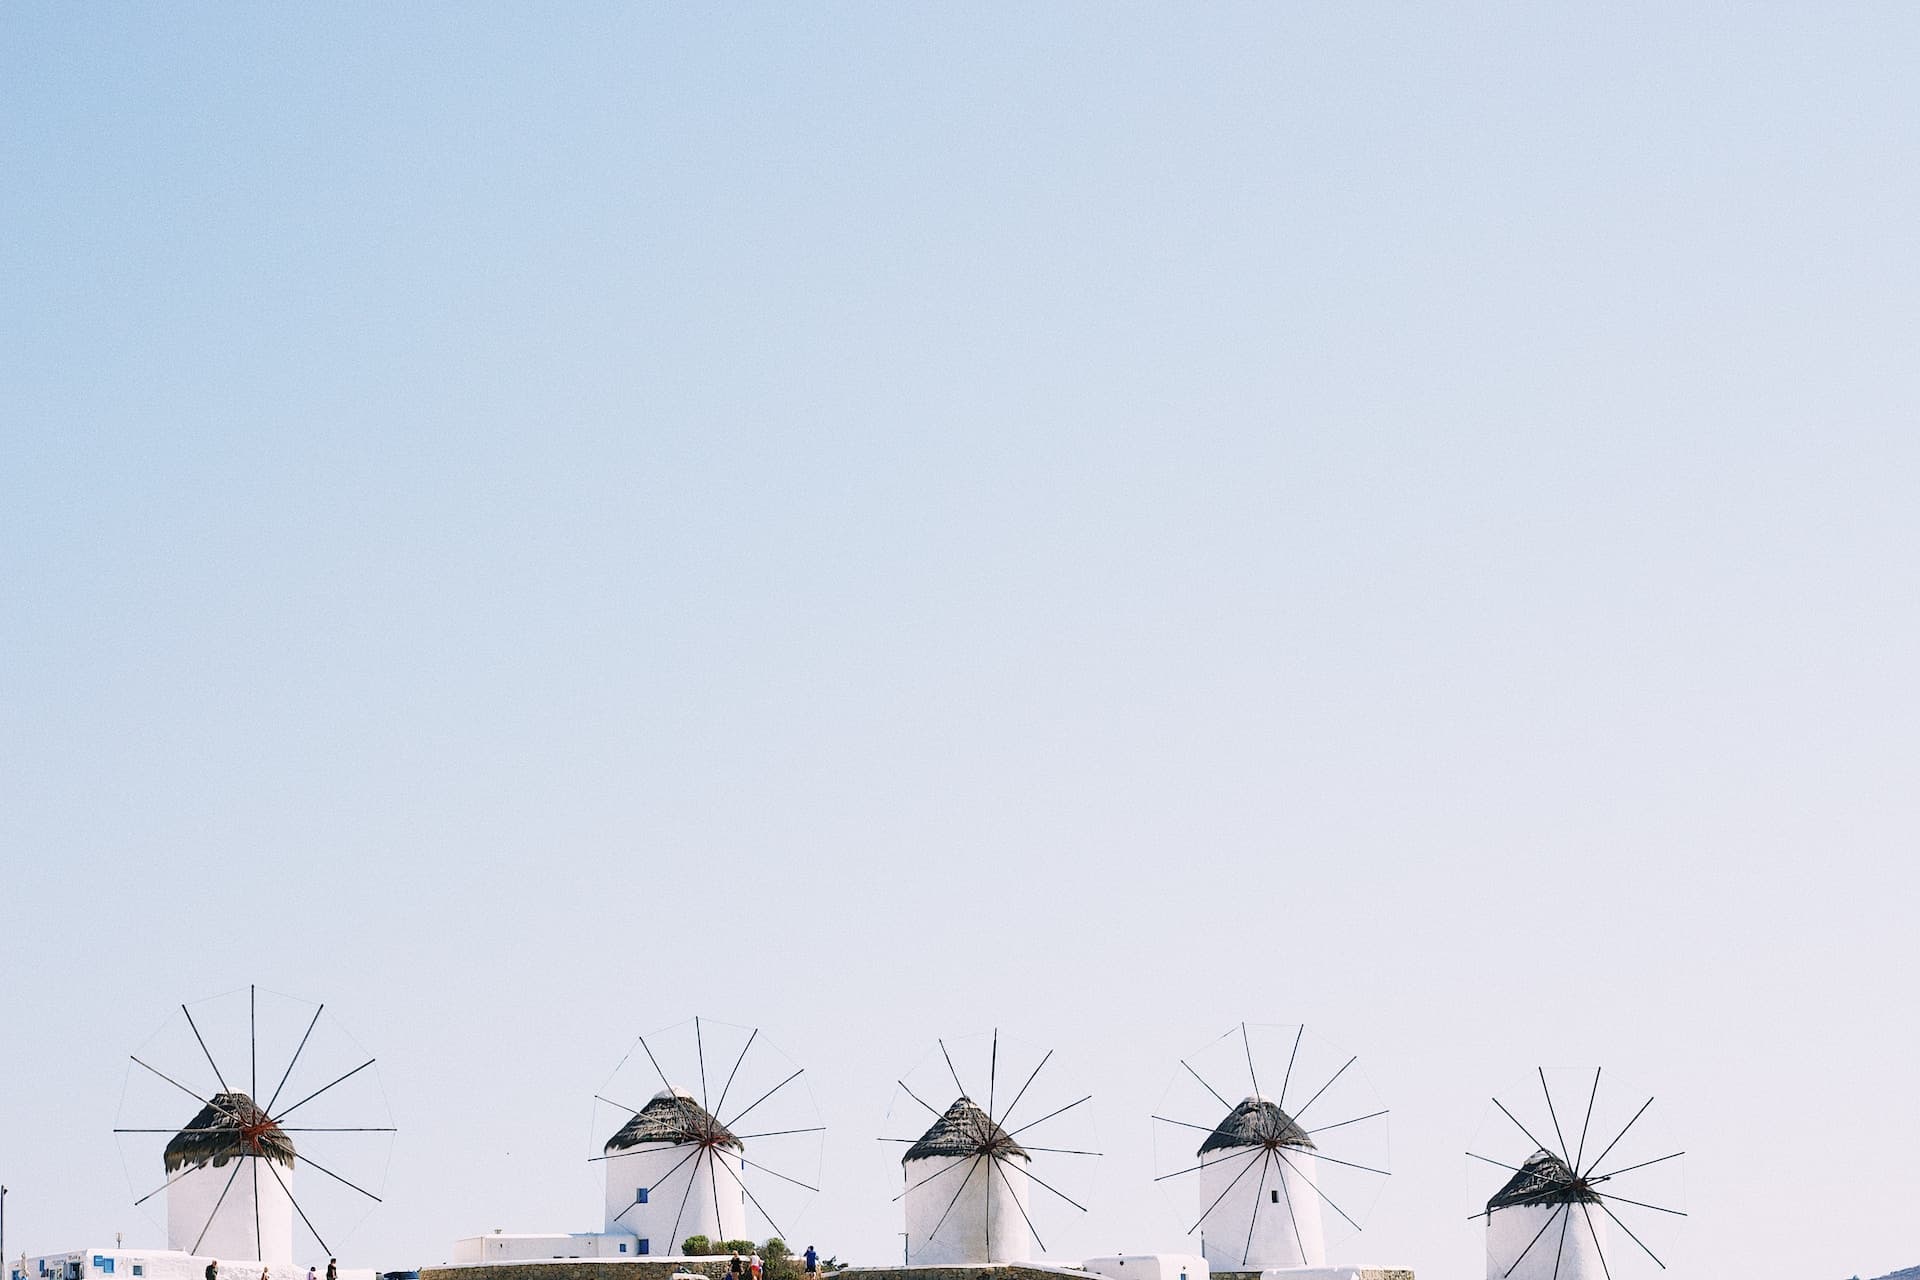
646	1245
623	1246
1275	1193
639	1195
139	1269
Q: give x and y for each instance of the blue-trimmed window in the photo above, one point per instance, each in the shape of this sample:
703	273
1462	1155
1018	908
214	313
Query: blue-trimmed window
623	1246
646	1245
639	1195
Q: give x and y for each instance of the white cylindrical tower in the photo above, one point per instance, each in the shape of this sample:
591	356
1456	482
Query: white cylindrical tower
1543	1224
967	1190
674	1171
230	1188
1259	1174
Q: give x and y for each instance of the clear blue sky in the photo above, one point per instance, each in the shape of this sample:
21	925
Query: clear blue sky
532	523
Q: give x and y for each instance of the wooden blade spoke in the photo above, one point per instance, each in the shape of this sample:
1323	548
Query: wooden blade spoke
303	1158
298	1050
322	1089
1204	1085
296	1207
1223	1194
775	1173
748	1192
1636	1239
1298	1032
1203	1128
1640	1204
950	1071
1282	1156
818	1128
1536	1240
1630	1168
1537	1144
1555	1117
1341	1124
1000	1167
216	1204
1265	1161
1580	1154
664	1179
751	1037
1593	1231
1051	1114
971	1166
1560	1250
763	1097
665	1083
1023	1091
203	1049
1031	1177
945	1168
701	1048
1323	1088
1601	1158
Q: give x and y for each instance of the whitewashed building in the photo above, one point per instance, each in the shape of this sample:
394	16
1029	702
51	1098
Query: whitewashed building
966	1192
1543	1224
1258	1173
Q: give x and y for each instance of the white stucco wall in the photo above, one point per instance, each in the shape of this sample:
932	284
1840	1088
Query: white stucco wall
191	1201
987	1201
1148	1266
1273	1243
546	1246
652	1165
1510	1230
161	1264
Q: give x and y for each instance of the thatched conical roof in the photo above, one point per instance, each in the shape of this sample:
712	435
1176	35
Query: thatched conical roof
964	1130
1256	1123
229	1126
673	1117
1543	1179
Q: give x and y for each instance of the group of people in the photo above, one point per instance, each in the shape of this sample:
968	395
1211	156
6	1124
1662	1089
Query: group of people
333	1270
739	1268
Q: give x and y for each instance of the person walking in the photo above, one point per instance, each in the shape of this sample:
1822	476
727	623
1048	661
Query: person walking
213	1270
733	1266
266	1273
312	1274
333	1269
753	1266
813	1262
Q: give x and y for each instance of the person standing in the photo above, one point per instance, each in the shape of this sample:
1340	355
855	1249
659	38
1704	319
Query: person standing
333	1269
213	1270
753	1266
733	1266
311	1274
813	1262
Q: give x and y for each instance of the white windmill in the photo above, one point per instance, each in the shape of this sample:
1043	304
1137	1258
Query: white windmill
234	1184
1558	1214
702	1163
969	1179
1267	1174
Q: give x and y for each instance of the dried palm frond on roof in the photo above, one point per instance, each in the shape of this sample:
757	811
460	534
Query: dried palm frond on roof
675	1118
1256	1123
231	1125
964	1130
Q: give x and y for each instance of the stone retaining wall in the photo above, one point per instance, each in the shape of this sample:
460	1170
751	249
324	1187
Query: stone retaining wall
580	1269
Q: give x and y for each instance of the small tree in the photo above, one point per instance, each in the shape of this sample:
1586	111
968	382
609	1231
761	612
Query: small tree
778	1260
696	1246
